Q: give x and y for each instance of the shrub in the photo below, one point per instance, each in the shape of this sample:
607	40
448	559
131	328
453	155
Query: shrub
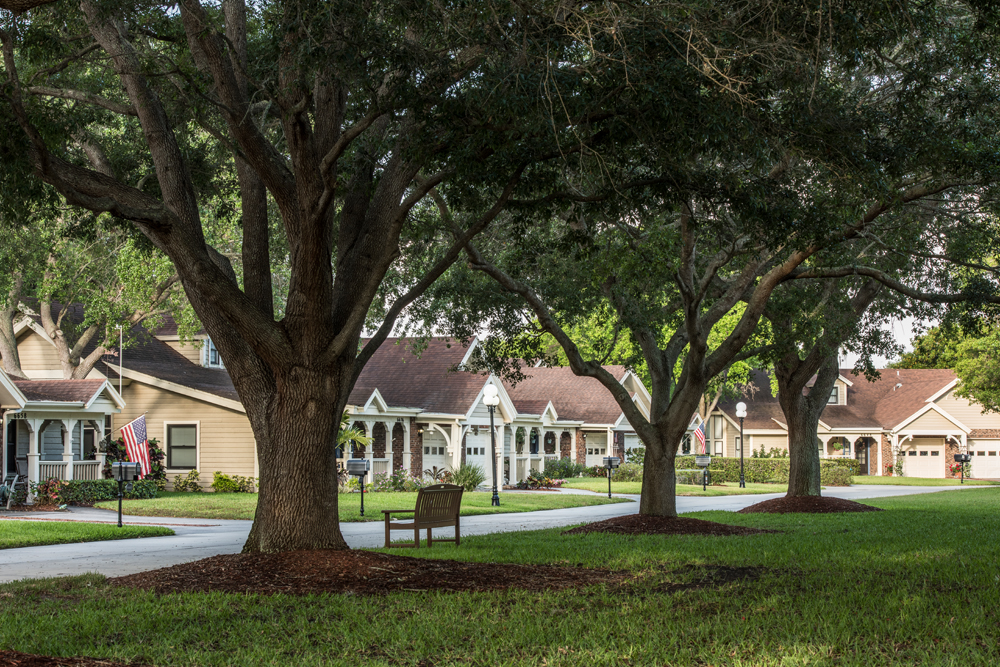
636	455
834	475
538	480
398	480
763	470
628	472
88	492
439	474
188	482
563	468
231	483
468	476
596	471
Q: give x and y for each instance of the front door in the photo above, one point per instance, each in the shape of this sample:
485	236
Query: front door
861	454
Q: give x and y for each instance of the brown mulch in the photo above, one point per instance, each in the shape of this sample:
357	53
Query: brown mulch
637	524
18	659
807	505
31	508
357	573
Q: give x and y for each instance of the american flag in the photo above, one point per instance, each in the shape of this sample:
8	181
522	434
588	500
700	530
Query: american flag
699	433
134	435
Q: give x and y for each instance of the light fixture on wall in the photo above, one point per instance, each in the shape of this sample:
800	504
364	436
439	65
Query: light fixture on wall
475	430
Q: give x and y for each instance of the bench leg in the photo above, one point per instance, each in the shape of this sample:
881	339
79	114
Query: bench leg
430	542
416	538
386	531
458	537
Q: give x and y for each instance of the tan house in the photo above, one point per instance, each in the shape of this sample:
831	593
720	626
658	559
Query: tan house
911	415
422	411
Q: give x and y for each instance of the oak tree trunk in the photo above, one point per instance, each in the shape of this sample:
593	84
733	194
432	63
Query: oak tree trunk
659	480
802	414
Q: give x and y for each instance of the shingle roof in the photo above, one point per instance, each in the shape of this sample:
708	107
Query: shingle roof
879	404
427	381
575	398
63	391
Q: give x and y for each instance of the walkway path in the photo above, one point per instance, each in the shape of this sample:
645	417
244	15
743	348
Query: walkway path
200	538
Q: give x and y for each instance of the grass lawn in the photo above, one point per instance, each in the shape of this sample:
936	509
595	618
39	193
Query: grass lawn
914	585
917	481
16	533
727	489
243	505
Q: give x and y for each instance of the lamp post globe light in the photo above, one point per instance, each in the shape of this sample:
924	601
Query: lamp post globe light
741	412
491	399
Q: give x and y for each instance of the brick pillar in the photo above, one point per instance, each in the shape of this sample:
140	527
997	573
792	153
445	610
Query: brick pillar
887	458
416	450
565	445
581	449
397	447
950	449
378	440
358	451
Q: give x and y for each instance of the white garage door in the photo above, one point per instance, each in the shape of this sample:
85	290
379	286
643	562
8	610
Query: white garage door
924	460
985	459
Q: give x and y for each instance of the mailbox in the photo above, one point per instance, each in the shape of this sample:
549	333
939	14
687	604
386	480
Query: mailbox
703	461
963	458
612	461
358	467
125	471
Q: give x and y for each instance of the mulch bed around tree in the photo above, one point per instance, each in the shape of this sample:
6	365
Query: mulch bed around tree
637	524
807	505
17	659
358	573
31	508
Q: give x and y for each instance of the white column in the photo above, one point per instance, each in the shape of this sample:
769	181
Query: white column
33	455
880	471
406	444
572	445
456	449
68	425
369	428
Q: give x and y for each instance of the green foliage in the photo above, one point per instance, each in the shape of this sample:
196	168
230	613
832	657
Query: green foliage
399	480
773	453
769	470
939	347
187	482
635	455
229	483
538	480
628	472
115	451
564	468
978	367
88	492
438	474
469	476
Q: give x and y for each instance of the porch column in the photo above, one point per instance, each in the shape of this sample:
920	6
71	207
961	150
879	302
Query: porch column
68	426
406	445
456	446
369	451
34	425
100	454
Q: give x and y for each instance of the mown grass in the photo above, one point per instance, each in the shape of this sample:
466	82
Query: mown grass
918	481
600	485
17	533
243	505
914	585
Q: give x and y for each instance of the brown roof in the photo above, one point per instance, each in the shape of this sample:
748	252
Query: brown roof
427	379
63	391
575	398
152	356
884	403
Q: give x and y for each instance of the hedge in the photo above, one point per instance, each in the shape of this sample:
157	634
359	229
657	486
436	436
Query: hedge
88	492
833	472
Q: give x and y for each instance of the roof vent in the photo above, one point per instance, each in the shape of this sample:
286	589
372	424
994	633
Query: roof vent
898	385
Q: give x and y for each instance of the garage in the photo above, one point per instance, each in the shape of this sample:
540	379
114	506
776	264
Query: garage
985	458
924	457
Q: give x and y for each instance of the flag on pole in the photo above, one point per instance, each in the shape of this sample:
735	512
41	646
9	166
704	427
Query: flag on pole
699	433
134	435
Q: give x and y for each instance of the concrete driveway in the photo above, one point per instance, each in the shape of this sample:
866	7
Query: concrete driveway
200	538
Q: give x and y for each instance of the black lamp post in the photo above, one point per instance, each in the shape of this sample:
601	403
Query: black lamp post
741	412
491	399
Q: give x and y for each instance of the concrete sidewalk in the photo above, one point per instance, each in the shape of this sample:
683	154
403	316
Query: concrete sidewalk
201	538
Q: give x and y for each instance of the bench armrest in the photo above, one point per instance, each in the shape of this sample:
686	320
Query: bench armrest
399	511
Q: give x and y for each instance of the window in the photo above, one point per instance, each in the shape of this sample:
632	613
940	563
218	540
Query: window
935	453
738	443
913	453
992	453
923	453
834	396
182	446
718	448
211	357
718	427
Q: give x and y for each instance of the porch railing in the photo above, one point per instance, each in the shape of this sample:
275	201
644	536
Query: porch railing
81	470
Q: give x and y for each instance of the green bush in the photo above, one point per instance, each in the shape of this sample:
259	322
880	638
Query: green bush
834	475
636	455
468	476
768	470
564	468
628	472
88	492
188	482
222	483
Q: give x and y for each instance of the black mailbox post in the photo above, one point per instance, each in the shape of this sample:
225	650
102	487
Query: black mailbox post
611	462
703	461
963	459
124	472
359	468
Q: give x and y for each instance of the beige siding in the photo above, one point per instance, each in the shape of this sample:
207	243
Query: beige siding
769	441
970	414
37	354
225	441
841	392
930	421
190	349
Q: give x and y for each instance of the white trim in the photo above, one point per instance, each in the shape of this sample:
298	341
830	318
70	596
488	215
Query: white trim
944	390
783	426
20	400
166	443
115	396
468	353
846	381
379	402
28	323
184	391
927	408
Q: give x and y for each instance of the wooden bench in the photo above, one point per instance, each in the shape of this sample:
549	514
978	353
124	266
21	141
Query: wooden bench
437	506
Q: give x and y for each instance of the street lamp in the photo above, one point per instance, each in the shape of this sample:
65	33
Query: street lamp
741	412
491	400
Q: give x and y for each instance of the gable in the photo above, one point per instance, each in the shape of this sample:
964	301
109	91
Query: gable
931	421
37	354
970	414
